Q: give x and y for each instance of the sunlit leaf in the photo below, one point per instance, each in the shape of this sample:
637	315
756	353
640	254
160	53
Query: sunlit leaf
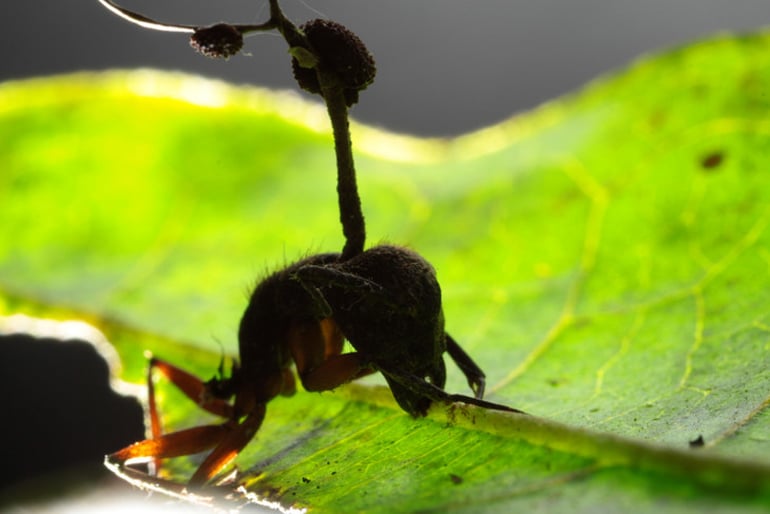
604	258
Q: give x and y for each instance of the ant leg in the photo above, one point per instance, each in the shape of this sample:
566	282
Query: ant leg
316	349
230	444
191	386
335	371
227	440
471	370
312	342
175	444
435	393
312	277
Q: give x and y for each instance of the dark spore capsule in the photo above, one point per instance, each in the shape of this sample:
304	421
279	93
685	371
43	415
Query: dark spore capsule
217	41
340	51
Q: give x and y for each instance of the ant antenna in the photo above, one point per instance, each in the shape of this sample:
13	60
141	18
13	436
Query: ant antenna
327	59
221	367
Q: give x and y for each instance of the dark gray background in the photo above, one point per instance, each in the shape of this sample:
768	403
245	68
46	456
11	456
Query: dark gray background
445	66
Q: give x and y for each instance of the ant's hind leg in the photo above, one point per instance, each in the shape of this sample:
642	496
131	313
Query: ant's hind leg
417	386
474	375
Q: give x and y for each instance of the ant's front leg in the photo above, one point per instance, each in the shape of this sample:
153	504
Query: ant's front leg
192	387
183	442
227	439
229	446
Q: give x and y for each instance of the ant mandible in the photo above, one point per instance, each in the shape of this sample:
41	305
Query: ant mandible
386	300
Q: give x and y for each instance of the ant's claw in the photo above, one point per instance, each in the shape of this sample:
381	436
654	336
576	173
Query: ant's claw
478	388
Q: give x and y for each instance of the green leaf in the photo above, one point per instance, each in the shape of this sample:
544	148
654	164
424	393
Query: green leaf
604	258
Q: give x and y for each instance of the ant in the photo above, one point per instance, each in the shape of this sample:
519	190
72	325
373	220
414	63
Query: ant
385	300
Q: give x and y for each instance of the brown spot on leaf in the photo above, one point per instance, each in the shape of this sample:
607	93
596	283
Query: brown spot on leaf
712	160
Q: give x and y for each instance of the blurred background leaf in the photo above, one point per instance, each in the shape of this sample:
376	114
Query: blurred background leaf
604	258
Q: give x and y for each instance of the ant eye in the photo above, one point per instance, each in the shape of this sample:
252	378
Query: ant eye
220	40
340	51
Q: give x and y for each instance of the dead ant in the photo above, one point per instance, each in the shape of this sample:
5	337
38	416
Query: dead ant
386	301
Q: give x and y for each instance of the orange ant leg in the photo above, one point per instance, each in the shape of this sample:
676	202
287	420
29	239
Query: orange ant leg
184	442
175	444
230	444
335	371
227	439
192	387
317	352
